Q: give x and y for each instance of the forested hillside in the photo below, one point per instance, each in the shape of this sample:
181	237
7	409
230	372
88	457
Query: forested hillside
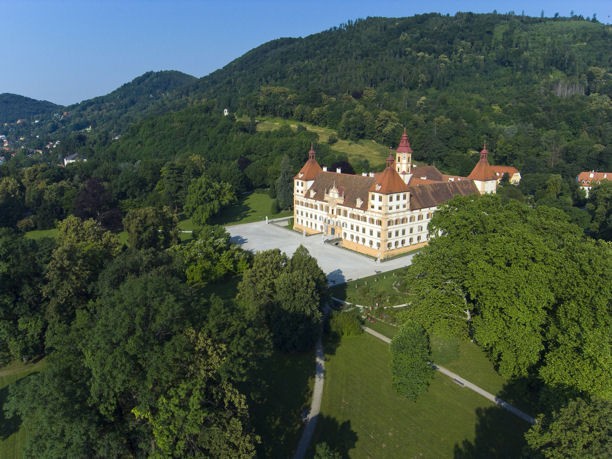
14	108
538	90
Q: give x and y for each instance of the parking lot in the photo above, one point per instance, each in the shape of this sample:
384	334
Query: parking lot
340	265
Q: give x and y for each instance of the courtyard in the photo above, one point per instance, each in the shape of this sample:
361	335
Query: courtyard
340	265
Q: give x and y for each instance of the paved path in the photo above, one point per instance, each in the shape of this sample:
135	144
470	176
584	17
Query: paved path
465	383
315	405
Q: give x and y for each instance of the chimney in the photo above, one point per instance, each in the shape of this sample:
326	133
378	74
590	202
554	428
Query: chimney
324	168
338	170
364	174
371	174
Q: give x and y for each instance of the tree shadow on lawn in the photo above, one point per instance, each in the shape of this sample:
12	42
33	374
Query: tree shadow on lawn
499	433
9	426
341	438
280	401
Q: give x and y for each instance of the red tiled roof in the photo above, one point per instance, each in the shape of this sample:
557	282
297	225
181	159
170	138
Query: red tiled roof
311	169
589	177
501	170
388	181
482	171
434	194
428	173
350	186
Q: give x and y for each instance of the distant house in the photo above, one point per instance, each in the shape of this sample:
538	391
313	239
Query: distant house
73	158
589	179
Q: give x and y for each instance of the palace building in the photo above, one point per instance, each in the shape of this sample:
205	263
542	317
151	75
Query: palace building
383	214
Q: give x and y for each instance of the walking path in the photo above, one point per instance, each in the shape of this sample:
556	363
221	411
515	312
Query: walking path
315	405
465	383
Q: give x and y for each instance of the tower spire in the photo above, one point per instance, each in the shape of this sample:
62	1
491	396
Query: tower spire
311	153
484	153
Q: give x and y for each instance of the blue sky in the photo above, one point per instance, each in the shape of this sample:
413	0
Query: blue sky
66	51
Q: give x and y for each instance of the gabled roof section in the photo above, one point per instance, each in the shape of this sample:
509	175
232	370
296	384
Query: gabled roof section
482	171
434	194
311	169
349	186
427	173
389	181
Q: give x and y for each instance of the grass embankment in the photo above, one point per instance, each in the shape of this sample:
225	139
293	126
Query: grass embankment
373	152
363	416
12	436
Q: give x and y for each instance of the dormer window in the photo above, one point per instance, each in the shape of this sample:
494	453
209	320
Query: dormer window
378	187
359	202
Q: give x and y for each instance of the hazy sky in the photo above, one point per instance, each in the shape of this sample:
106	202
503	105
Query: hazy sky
66	51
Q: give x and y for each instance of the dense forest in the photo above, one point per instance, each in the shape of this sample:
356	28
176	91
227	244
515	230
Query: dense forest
147	340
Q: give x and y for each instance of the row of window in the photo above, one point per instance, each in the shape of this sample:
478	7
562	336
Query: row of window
376	244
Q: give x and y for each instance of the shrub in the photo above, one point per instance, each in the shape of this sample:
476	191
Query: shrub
345	323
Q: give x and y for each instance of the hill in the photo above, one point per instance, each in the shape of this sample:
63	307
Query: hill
14	107
537	90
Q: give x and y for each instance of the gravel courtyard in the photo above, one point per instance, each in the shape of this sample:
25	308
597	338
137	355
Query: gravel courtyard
339	264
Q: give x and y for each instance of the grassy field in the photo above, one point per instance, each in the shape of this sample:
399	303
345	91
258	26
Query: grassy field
363	417
12	436
375	153
250	208
285	393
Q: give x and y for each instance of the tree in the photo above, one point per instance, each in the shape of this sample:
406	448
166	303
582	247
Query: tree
11	201
203	415
522	282
21	316
151	227
92	200
257	289
580	429
284	184
206	198
211	256
83	248
286	294
411	361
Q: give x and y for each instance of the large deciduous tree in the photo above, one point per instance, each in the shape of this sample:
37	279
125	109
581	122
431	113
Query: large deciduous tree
583	428
151	227
525	284
206	197
287	294
411	361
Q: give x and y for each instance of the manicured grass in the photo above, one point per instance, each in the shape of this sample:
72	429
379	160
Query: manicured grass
375	153
383	328
12	436
40	234
250	208
285	393
386	289
363	416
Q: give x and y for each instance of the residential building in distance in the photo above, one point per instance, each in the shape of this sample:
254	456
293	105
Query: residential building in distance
589	179
383	214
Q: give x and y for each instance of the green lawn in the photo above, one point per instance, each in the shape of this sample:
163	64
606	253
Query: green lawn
40	234
285	392
363	417
373	152
12	436
386	289
250	208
